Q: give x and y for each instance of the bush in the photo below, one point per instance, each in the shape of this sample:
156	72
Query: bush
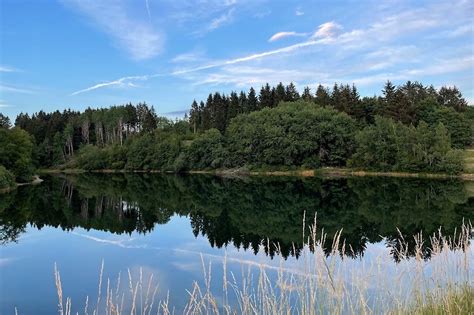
292	134
392	146
207	151
7	179
16	147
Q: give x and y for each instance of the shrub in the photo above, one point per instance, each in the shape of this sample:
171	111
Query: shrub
7	179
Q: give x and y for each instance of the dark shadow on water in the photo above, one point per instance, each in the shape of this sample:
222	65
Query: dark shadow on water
248	213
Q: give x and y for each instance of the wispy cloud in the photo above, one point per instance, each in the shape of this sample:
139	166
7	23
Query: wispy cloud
224	19
13	89
327	30
147	6
3	104
187	57
377	46
125	81
8	69
299	12
122	82
134	35
253	76
280	35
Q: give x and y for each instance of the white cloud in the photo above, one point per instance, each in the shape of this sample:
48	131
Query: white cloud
440	67
9	88
299	12
252	76
377	47
4	105
461	30
327	30
280	35
224	19
196	55
122	82
147	5
133	34
8	69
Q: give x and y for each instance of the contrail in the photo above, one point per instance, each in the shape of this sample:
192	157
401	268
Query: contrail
148	9
287	49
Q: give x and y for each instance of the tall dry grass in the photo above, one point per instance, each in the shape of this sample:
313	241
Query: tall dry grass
319	284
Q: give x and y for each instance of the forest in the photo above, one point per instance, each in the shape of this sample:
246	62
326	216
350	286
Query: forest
410	127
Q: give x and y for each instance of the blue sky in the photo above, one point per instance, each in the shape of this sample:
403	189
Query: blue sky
80	53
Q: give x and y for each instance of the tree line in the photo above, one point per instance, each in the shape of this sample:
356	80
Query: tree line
408	103
410	127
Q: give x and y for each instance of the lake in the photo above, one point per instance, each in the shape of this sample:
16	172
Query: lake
165	225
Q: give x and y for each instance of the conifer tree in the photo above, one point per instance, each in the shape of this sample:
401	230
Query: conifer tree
252	101
194	116
266	96
307	94
5	122
322	97
291	94
280	93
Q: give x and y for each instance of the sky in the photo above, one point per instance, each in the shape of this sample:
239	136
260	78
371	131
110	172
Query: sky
57	54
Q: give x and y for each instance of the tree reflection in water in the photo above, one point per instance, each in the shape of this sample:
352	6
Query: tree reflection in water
250	213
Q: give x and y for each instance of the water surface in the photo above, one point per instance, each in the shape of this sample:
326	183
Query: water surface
164	223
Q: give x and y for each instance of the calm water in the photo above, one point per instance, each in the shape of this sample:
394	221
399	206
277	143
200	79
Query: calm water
164	223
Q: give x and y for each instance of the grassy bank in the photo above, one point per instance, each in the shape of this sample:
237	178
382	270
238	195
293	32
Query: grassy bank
317	284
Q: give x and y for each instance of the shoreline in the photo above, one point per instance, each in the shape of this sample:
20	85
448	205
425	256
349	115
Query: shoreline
36	180
325	172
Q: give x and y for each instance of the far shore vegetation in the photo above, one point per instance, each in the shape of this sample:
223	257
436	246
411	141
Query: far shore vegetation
411	128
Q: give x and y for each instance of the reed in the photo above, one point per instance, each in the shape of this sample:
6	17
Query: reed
319	284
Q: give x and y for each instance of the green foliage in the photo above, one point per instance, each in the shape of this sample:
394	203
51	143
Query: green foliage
16	147
291	134
5	122
391	146
258	130
458	125
7	179
91	157
207	151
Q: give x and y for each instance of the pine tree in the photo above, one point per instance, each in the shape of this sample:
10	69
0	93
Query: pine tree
307	94
194	116
204	119
243	102
452	97
252	101
280	93
322	97
335	96
5	122
291	94
233	106
266	97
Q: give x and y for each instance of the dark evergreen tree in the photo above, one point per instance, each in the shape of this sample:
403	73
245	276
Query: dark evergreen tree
194	116
291	94
452	97
266	97
307	96
5	122
280	93
322	97
252	101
